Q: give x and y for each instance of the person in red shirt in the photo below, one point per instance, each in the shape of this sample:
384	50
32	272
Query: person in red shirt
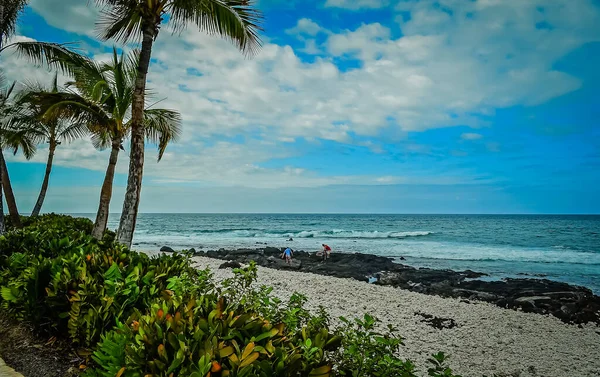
326	252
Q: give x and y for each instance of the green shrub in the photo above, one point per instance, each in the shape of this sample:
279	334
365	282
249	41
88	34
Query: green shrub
88	293
366	351
79	287
47	235
53	220
210	335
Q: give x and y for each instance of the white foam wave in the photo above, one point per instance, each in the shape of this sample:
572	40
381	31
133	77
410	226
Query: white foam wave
338	233
470	252
257	233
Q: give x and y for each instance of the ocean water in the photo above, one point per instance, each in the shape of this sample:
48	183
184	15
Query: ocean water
564	248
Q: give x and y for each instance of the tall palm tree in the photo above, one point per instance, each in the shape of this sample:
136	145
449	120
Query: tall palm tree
100	97
127	20
53	131
11	139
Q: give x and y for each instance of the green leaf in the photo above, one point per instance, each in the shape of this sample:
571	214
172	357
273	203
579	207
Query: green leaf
7	294
269	334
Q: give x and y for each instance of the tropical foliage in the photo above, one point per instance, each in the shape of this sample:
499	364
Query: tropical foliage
133	315
126	20
99	99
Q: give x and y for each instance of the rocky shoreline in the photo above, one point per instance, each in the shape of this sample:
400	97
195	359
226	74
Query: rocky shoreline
569	303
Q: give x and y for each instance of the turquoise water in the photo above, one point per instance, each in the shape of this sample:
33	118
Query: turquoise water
565	248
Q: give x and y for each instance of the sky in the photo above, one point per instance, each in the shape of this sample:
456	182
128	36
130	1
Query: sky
352	106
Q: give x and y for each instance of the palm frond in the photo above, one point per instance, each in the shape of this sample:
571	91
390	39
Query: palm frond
120	19
236	20
19	139
69	132
52	55
162	127
101	139
9	16
70	109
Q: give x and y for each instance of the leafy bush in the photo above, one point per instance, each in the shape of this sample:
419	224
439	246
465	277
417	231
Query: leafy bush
53	220
48	235
81	288
199	337
159	316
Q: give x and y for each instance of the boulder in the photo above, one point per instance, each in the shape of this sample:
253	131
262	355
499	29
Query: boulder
167	249
192	250
230	264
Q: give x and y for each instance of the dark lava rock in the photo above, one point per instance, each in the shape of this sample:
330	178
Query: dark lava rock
230	264
437	322
167	249
569	303
281	264
272	250
192	250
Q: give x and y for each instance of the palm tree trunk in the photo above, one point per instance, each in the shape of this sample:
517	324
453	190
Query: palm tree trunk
106	192
38	205
1	18
136	157
11	203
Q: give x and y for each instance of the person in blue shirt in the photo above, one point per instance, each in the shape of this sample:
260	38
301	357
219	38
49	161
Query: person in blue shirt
287	254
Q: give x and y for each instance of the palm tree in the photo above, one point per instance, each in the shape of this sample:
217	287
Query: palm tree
100	98
53	131
9	13
127	20
13	139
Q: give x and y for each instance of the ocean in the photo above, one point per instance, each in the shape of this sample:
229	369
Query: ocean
557	247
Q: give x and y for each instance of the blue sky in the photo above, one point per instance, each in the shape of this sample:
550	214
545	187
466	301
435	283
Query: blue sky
448	106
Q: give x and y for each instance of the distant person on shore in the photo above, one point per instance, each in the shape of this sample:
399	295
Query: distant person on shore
287	254
326	252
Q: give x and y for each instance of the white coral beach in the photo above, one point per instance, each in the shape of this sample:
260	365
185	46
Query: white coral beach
487	340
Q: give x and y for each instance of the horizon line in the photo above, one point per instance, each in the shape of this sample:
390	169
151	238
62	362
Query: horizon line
343	213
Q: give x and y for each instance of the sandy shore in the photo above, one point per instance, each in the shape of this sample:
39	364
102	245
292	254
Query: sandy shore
488	340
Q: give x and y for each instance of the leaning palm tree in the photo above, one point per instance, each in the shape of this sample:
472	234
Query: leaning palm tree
127	20
10	139
53	131
100	97
9	13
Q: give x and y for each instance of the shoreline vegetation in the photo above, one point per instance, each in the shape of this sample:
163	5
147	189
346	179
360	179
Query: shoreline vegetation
126	314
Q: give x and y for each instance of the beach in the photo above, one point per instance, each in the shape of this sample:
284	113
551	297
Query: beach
486	341
560	248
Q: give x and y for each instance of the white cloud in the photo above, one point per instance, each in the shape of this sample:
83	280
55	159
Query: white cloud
76	16
471	136
454	62
357	4
306	26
